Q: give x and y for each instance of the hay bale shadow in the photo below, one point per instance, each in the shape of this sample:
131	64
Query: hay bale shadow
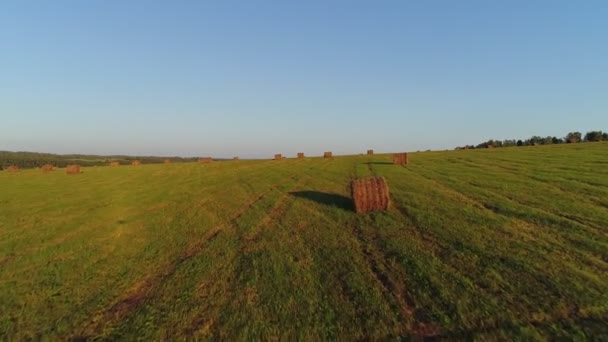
324	198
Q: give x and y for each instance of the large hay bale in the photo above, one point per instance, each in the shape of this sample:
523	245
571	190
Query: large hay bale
370	152
370	194
136	162
235	158
167	161
300	155
114	163
47	168
400	159
205	160
327	155
72	169
13	168
278	156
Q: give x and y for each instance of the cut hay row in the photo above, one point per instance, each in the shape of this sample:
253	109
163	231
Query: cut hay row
400	159
370	194
72	169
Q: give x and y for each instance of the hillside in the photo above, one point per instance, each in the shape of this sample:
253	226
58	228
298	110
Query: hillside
493	243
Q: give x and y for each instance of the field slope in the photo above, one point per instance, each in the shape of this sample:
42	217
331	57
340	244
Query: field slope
497	243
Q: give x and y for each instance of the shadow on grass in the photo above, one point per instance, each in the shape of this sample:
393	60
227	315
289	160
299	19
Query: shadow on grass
324	198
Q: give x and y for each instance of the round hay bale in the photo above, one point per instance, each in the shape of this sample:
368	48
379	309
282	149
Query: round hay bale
114	163
400	159
205	160
13	168
370	194
278	156
47	168
73	169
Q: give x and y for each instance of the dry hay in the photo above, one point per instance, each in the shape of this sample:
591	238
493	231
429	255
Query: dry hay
400	159
300	155
136	162
205	160
167	161
235	158
114	163
327	155
13	168
278	156
370	194
370	152
47	168
72	169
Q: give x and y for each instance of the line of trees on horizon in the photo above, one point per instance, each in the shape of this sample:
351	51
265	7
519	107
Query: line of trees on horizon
27	160
570	138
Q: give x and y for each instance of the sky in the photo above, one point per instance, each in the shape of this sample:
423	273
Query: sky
255	78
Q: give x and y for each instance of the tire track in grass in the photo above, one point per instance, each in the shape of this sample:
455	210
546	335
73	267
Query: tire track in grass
148	287
553	314
281	206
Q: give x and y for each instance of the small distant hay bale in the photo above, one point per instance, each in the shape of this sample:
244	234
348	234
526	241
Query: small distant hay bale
370	194
47	168
235	158
400	159
13	168
167	161
136	162
278	156
205	160
300	155
327	155
73	169
114	163
370	152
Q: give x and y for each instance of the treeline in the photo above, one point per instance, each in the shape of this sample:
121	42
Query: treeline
33	159
570	138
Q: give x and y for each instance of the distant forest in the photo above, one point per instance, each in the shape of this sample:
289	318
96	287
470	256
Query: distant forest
33	159
570	138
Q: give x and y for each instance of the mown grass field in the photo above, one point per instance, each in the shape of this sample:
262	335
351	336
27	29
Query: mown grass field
486	244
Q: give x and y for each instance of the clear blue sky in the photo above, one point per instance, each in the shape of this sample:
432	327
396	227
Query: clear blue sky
254	78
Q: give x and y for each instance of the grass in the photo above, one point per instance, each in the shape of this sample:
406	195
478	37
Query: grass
480	244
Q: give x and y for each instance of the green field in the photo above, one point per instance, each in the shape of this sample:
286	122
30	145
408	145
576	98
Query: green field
494	243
